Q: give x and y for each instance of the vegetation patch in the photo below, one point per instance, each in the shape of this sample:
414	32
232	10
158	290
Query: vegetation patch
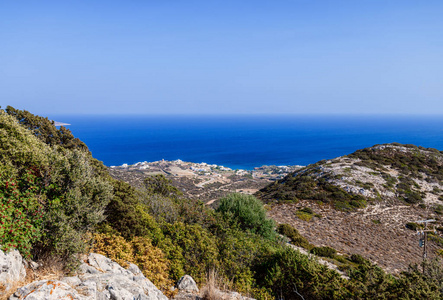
296	238
324	251
305	185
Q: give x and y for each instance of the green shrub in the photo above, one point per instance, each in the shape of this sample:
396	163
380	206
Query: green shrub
307	210
190	248
296	238
358	259
239	251
71	197
45	130
288	271
126	214
412	226
303	216
20	213
248	212
160	185
324	251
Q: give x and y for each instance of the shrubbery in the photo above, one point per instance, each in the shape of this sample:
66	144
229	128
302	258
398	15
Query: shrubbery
301	185
289	274
21	214
248	212
296	238
58	195
140	251
324	251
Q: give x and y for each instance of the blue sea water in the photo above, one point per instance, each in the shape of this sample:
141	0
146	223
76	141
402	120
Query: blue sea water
245	142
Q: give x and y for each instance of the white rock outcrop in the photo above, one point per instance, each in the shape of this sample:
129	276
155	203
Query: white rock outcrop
99	278
187	283
11	269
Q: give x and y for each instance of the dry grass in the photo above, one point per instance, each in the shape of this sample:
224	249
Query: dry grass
50	268
215	285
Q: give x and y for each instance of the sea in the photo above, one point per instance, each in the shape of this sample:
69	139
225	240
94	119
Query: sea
246	141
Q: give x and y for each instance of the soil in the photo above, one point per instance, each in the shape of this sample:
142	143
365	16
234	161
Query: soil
377	232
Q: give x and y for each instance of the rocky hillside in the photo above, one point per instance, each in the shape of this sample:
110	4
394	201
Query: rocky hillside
384	172
366	203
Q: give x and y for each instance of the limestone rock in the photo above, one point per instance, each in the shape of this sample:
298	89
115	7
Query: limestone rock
11	268
98	279
47	290
187	283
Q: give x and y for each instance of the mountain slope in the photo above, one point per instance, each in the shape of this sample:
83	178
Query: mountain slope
362	203
383	172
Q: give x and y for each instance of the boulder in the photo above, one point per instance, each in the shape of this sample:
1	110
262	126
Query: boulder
187	283
46	290
11	268
99	278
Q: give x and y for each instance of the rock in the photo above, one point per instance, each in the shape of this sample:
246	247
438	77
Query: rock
134	269
72	281
98	279
187	283
46	290
104	264
33	265
11	268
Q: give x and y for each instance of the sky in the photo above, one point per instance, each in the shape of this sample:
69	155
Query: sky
222	57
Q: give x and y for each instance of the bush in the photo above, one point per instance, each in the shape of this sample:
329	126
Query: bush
58	185
289	274
45	130
160	185
307	210
126	215
303	215
358	259
139	251
248	212
76	201
412	226
20	213
296	238
324	251
190	248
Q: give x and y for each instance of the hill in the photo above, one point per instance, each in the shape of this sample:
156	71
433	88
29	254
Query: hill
382	172
365	202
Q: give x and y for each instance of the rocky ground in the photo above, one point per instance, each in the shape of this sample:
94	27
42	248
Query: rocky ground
375	181
377	232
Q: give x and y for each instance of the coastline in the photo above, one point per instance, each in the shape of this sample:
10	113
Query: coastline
206	182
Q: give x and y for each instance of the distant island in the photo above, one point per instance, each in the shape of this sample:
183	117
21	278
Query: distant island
60	124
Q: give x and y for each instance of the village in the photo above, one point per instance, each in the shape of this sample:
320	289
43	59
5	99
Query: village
206	182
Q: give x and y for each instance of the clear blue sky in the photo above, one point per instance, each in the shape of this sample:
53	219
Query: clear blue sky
222	57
